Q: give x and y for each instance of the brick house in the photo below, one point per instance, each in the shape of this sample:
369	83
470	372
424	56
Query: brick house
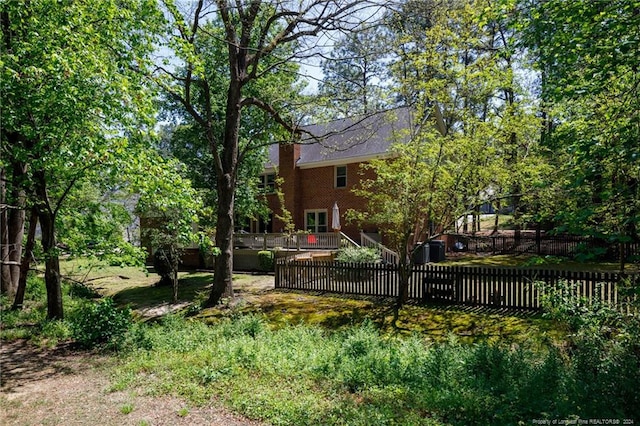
320	171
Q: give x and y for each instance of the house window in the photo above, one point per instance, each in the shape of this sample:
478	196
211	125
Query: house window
263	225
267	183
315	221
341	176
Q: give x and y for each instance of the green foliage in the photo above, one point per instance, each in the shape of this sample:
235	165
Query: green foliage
587	54
358	255
355	72
94	222
127	408
164	264
461	65
73	108
585	253
306	375
53	331
542	260
604	350
82	291
266	260
204	57
100	324
168	206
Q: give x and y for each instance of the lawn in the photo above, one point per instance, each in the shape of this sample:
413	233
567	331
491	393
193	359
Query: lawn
293	358
255	294
531	261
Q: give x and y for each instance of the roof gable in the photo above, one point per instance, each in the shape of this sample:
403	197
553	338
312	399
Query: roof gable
350	140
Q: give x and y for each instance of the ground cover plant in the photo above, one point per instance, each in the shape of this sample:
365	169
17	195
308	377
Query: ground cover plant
305	358
309	375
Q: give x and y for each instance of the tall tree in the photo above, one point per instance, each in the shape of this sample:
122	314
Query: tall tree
468	63
404	206
355	72
587	53
68	101
260	37
463	84
184	140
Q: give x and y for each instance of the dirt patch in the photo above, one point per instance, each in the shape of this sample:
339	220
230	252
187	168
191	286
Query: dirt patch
64	387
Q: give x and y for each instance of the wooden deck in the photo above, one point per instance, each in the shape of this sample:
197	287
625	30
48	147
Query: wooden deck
298	241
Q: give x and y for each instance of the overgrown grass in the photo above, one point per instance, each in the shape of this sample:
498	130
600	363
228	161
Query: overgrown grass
292	358
31	322
302	374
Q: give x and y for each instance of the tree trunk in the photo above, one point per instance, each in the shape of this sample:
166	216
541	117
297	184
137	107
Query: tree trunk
404	273
16	233
13	230
226	187
26	261
174	279
52	265
47	218
223	269
5	272
496	222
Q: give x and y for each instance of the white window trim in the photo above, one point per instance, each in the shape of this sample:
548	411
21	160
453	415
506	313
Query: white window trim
316	211
335	176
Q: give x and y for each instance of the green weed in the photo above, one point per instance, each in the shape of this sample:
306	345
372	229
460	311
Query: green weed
100	323
357	375
127	409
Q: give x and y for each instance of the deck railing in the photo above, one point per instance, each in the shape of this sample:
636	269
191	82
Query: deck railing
297	241
388	256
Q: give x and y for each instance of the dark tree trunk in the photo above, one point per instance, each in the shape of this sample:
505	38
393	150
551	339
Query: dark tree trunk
47	218
226	187
223	269
16	233
5	272
52	265
496	222
174	279
26	261
404	274
13	231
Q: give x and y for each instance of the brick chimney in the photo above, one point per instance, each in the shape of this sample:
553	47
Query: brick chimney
289	154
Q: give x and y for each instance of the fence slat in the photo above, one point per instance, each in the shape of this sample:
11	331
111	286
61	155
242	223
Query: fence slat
487	286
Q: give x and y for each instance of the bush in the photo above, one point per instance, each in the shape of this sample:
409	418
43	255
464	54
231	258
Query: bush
163	261
358	255
266	260
100	323
604	349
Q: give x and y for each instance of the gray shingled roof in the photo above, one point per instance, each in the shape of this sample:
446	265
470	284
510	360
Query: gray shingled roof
350	139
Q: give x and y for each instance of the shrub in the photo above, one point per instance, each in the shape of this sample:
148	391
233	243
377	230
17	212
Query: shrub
604	349
266	260
100	323
358	255
163	261
82	291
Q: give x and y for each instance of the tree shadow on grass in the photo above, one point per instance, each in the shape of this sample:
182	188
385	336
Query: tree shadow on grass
190	287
